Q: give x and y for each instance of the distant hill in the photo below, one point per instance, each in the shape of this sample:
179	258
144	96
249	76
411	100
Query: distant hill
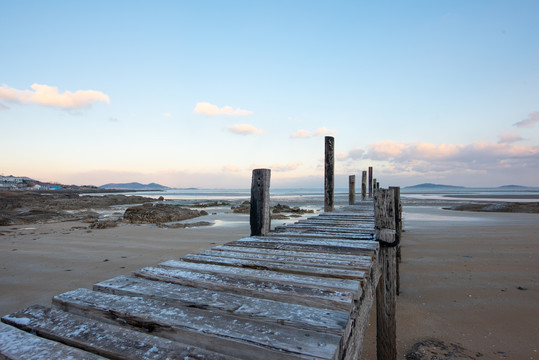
513	187
430	186
134	186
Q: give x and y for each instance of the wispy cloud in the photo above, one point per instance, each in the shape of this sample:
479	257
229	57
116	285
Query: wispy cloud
324	131
529	122
285	167
509	137
303	134
231	168
50	96
167	115
244	129
205	108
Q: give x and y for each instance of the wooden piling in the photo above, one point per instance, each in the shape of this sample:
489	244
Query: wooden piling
364	185
351	190
329	178
373	185
370	182
260	202
386	299
398	228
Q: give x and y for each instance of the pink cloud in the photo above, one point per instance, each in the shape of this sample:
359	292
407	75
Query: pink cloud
50	96
285	167
231	168
529	122
205	108
508	137
245	129
301	134
324	131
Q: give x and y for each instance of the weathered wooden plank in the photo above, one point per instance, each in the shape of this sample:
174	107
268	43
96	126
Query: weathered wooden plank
274	276
301	246
260	288
302	233
110	341
16	344
335	228
293	315
296	257
227	334
356	244
288	268
290	314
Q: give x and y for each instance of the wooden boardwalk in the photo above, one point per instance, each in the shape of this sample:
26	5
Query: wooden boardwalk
303	292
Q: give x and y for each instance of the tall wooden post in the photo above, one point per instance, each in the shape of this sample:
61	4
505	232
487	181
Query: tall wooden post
373	185
370	182
260	202
364	185
329	178
398	228
386	299
351	190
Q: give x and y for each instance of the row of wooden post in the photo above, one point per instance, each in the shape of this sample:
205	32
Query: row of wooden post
388	228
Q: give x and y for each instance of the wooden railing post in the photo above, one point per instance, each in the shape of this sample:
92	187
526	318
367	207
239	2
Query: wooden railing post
260	202
351	190
386	299
398	228
364	185
329	178
370	182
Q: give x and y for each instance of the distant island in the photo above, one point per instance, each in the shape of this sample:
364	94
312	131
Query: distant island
431	186
134	186
442	187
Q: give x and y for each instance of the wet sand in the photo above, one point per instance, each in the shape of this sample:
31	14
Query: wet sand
460	279
460	273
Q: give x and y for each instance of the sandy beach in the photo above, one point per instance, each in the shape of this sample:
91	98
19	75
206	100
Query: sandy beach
468	279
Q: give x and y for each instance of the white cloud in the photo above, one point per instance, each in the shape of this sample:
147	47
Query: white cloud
50	96
301	134
529	122
205	108
325	131
167	114
245	129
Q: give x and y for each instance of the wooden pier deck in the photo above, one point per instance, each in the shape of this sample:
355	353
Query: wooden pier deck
304	291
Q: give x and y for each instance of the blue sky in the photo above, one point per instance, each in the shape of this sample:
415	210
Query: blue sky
198	93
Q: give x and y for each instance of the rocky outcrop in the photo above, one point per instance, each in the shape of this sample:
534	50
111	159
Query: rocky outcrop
158	214
32	207
287	209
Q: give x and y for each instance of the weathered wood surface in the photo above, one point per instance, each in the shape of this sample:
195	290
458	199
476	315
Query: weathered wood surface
329	174
260	219
351	190
20	345
303	292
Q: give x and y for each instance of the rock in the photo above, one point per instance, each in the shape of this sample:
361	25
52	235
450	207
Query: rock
287	209
158	214
5	220
103	224
186	225
243	208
